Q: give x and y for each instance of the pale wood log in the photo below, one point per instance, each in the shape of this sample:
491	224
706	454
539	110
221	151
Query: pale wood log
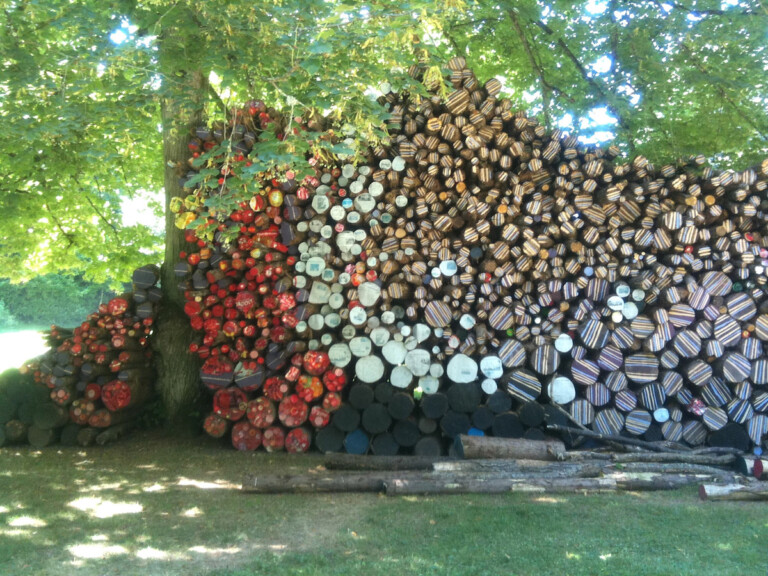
717	492
671	457
476	447
497	485
461	369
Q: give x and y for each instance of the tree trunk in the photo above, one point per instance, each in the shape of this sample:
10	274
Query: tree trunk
177	369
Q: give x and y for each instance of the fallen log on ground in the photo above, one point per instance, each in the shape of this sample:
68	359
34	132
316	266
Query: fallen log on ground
471	447
679	457
670	468
756	491
497	485
522	467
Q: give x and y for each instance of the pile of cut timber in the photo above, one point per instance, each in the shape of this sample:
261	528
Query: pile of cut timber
482	274
524	466
92	383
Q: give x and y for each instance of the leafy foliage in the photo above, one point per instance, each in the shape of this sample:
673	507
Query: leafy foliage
50	299
7	320
81	112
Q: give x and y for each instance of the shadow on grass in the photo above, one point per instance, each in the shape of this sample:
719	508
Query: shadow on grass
152	506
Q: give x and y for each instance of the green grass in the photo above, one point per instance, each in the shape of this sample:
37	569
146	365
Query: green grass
152	506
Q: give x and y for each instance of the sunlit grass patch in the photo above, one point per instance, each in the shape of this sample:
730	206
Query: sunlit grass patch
99	508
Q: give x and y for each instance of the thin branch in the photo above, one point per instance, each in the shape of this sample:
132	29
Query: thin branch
103	218
95	209
219	102
68	235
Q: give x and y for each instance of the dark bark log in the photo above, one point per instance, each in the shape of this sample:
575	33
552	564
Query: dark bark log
40	437
329	439
87	436
49	415
114	433
385	445
15	431
69	434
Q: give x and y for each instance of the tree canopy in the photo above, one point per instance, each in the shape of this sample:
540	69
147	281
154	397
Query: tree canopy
83	84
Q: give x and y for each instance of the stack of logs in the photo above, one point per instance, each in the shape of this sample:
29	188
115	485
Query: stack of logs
481	274
92	383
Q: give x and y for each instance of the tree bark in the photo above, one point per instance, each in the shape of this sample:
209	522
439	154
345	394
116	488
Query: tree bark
473	447
177	370
756	491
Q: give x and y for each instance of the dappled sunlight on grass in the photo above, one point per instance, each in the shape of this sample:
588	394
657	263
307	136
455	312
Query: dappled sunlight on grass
27	522
203	485
152	554
96	551
99	508
16	532
117	512
214	551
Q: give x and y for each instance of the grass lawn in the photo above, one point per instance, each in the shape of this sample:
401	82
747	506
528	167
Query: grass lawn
156	506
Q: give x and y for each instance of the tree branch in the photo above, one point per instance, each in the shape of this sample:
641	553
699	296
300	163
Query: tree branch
219	102
723	94
68	235
585	75
93	205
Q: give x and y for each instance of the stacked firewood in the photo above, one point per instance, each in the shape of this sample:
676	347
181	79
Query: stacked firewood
92	383
478	255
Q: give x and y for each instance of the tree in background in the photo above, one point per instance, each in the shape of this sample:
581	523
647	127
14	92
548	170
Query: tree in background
98	100
38	302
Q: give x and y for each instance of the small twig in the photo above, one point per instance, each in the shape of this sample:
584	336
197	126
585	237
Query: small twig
655	446
217	98
107	222
93	205
68	235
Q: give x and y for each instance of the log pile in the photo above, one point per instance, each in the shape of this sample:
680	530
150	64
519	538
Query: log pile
481	273
517	466
93	379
